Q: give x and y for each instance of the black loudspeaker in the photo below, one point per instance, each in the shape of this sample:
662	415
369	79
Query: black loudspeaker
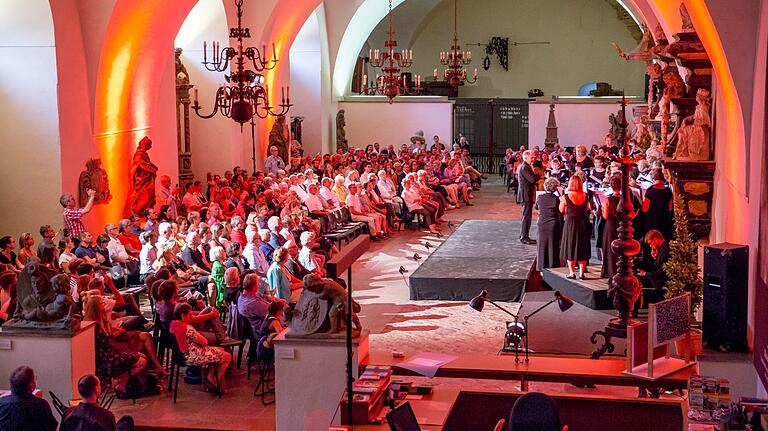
726	268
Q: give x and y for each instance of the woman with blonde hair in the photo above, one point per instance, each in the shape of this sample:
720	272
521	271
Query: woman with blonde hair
575	243
26	247
116	360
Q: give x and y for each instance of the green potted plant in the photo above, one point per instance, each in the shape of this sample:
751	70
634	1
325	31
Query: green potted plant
682	270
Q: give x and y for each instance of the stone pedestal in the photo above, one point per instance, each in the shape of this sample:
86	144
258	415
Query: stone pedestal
310	378
58	358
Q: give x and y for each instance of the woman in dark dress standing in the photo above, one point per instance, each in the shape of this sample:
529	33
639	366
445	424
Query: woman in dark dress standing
657	205
611	228
575	244
550	225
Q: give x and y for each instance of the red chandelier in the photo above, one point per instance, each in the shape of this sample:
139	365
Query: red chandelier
245	93
392	82
455	59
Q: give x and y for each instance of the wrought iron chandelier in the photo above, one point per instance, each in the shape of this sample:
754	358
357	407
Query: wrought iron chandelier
455	59
245	94
391	82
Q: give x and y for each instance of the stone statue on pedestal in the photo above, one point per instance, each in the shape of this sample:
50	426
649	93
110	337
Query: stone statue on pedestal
182	76
43	301
693	137
143	174
279	138
341	134
94	178
321	308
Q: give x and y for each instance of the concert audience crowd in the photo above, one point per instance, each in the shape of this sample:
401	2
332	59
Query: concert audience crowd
234	242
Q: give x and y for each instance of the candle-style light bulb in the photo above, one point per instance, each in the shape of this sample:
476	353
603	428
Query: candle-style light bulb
204	52
196	97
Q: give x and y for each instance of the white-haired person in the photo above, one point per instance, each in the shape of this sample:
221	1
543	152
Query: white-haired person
414	203
257	261
373	204
340	189
148	254
355	205
313	262
388	191
165	233
275	225
217	285
326	192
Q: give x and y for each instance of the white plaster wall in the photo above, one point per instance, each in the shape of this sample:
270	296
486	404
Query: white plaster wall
217	144
379	121
305	58
29	119
580	33
579	122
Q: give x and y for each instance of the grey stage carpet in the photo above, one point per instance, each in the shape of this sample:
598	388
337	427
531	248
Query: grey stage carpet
480	254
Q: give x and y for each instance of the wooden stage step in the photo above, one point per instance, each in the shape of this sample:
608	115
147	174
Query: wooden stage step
591	292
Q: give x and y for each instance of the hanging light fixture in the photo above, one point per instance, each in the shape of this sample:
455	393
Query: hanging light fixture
391	82
245	94
455	59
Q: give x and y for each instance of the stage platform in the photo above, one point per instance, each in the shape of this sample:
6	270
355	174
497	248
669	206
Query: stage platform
591	292
479	254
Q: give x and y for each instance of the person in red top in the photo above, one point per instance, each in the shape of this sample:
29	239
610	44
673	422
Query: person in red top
237	234
128	239
73	216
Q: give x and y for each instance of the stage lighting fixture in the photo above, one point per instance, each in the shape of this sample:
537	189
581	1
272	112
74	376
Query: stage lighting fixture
402	270
416	257
563	302
519	332
428	245
515	333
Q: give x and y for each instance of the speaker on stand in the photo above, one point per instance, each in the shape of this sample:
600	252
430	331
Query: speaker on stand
726	268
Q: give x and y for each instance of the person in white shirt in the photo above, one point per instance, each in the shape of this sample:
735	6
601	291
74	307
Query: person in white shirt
314	202
296	187
330	197
191	200
356	208
388	191
117	251
168	196
313	262
412	198
148	254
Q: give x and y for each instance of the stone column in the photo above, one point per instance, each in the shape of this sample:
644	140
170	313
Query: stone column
184	145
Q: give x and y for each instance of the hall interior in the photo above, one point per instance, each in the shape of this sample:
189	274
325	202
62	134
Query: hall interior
100	76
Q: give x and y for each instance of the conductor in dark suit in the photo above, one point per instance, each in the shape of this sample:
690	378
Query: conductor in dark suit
526	192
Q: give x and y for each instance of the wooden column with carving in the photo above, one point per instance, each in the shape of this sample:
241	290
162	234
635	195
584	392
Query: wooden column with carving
691	176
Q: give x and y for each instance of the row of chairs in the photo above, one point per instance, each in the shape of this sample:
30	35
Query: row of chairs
170	354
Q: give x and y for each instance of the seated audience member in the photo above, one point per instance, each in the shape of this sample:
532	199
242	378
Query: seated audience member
217	285
257	262
275	225
651	267
197	351
313	262
251	304
282	284
235	257
148	254
26	248
192	255
270	328
89	415
355	205
130	240
117	350
414	203
66	256
535	411
87	251
266	248
294	267
22	410
8	281
232	285
205	319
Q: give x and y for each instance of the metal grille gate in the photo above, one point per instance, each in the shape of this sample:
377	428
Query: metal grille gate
491	126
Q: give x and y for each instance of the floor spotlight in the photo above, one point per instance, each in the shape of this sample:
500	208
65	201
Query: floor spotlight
402	270
428	246
438	234
416	257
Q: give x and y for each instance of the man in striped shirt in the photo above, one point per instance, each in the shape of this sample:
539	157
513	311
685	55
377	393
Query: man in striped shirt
73	216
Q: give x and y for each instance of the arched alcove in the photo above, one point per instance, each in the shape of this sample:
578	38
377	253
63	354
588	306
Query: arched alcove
29	117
